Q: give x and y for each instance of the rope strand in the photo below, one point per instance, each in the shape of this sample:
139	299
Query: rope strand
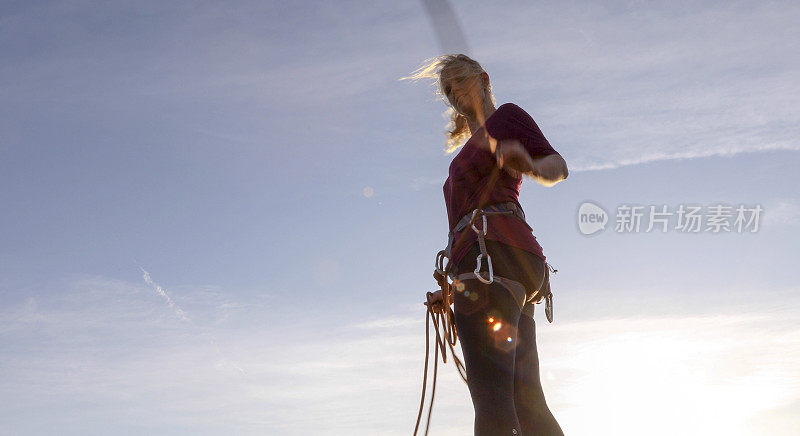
434	314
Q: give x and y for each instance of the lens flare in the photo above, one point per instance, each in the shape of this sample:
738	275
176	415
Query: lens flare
503	335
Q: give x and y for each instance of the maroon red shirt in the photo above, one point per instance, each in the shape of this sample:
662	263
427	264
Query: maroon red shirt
469	175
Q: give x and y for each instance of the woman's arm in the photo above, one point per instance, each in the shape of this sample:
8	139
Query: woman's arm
546	170
520	146
549	170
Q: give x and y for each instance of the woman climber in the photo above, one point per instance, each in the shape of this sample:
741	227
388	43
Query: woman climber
500	270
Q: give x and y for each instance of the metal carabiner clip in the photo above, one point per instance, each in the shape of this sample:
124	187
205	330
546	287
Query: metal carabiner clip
485	228
548	307
440	256
548	303
478	269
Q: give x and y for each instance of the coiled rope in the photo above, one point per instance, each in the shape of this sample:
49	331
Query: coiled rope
438	309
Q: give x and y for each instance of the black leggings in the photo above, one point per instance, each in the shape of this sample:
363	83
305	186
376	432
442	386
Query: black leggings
499	346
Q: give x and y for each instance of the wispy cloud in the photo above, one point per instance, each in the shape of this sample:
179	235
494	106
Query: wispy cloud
783	211
388	323
421	182
623	85
724	371
656	157
225	361
178	311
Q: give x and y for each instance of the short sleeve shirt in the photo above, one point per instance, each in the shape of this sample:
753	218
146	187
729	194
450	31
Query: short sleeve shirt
469	175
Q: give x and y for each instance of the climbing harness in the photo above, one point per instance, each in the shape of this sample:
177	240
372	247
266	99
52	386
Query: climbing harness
516	288
441	309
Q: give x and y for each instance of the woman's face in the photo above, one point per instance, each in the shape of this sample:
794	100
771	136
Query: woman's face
464	94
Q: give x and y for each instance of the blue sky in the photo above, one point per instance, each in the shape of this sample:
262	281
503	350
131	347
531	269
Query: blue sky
223	219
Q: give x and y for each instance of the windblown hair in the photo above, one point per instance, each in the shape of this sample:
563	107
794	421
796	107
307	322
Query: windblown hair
454	67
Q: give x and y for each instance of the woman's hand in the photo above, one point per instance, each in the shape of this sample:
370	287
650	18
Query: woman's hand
512	157
550	169
436	302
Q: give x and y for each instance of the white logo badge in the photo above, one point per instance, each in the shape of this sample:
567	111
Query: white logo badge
591	218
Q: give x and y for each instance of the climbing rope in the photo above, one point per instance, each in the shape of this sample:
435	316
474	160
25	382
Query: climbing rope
438	309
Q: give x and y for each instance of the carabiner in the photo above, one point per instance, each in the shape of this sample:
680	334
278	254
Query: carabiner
485	228
478	269
440	267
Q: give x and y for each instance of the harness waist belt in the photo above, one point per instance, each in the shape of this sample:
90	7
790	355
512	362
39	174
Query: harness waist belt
505	208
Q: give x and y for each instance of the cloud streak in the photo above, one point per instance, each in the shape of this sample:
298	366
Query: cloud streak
725	371
170	302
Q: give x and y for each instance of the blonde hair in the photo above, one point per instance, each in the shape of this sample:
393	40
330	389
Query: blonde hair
444	69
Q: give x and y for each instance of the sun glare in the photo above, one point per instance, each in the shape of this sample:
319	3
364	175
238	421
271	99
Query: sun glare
690	376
